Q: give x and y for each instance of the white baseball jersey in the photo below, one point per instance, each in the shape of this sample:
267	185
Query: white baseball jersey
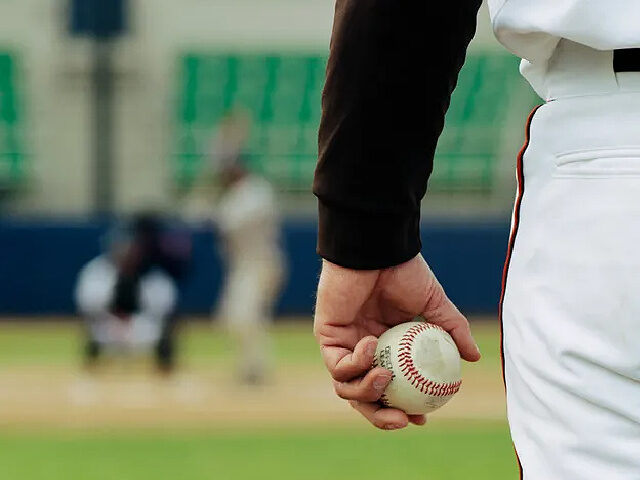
248	221
532	29
249	224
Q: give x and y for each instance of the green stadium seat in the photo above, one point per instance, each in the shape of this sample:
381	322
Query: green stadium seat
12	157
249	84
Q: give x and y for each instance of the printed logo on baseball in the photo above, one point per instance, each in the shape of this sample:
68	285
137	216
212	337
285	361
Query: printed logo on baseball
425	364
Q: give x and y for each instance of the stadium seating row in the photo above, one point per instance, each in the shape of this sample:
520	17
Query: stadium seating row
282	94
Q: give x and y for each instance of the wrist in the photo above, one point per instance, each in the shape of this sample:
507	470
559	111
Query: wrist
365	241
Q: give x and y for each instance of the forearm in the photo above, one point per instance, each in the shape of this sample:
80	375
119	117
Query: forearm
392	68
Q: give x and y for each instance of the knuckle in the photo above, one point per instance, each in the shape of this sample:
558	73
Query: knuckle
318	328
370	398
362	364
459	317
352	392
435	293
369	394
337	375
373	396
462	325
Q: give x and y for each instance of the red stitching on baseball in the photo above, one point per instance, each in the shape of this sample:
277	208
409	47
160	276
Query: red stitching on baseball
409	370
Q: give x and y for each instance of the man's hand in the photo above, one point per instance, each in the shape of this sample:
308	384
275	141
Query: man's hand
354	307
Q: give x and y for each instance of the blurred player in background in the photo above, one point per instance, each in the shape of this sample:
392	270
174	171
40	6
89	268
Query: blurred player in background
248	223
128	295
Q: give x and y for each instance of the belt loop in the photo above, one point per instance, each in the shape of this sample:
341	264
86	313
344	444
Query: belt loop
626	60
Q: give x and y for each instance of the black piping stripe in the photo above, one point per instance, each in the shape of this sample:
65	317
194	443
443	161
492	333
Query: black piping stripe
512	241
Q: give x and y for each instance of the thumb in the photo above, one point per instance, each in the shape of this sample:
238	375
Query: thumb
441	311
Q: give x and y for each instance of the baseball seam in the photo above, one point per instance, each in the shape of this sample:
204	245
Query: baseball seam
411	372
384	400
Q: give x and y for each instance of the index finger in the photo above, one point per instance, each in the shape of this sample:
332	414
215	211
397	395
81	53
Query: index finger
345	365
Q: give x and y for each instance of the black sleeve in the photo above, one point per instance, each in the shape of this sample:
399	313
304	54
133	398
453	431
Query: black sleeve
392	68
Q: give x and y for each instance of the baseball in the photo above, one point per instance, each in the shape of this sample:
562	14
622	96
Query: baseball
425	364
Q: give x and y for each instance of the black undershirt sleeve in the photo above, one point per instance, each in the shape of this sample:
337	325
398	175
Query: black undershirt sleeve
392	68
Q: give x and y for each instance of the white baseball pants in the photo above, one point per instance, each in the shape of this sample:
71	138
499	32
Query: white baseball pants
247	304
571	293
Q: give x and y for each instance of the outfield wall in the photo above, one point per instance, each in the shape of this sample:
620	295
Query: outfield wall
40	260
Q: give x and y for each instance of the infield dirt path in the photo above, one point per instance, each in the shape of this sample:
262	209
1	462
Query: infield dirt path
203	394
63	397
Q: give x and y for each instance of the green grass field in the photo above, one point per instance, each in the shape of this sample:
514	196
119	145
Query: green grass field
447	452
445	449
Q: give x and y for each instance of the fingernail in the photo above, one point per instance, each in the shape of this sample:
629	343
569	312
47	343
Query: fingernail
380	383
371	349
393	426
478	349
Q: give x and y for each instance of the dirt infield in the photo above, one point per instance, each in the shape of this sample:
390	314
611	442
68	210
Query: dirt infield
300	394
